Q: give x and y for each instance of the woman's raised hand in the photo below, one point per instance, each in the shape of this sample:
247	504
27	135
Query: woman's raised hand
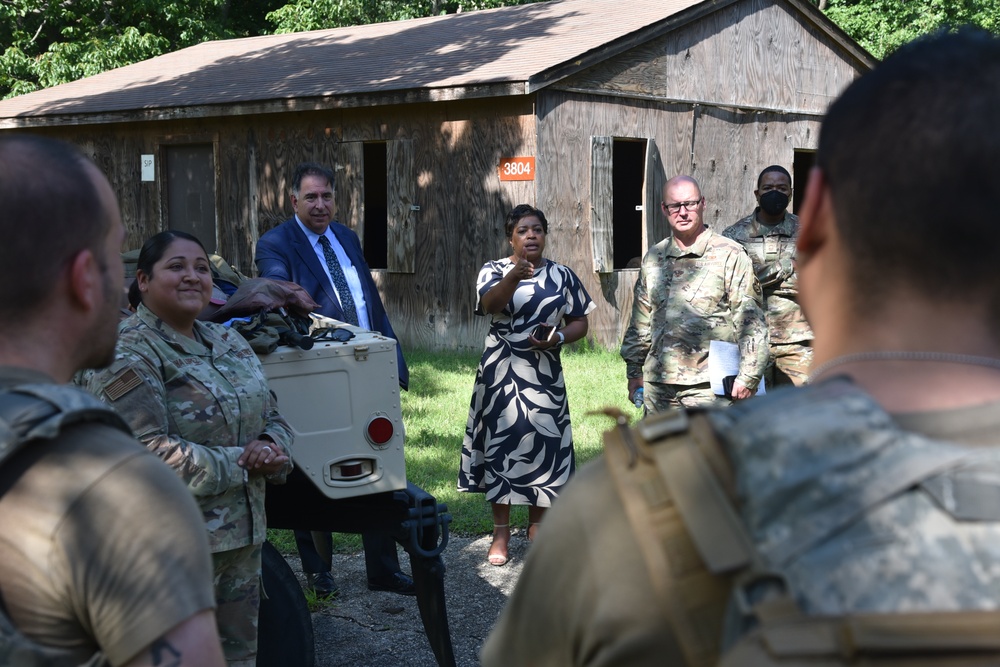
523	269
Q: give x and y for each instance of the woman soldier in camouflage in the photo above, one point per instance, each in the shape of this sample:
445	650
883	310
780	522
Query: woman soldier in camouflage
195	394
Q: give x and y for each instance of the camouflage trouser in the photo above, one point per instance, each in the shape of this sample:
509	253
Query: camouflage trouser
788	364
659	397
237	594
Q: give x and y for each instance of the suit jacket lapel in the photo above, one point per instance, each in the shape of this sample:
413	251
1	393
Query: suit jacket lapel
309	259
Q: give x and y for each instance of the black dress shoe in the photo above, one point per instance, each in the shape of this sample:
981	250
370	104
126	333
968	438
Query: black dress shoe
397	583
323	585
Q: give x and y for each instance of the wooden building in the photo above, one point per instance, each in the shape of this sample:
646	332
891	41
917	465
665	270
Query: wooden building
597	101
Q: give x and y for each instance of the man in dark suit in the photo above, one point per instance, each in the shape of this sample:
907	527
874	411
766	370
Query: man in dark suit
327	261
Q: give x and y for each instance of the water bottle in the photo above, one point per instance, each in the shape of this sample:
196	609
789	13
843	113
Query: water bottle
637	398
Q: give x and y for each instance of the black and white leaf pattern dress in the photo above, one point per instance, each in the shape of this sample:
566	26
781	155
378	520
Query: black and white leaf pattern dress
518	446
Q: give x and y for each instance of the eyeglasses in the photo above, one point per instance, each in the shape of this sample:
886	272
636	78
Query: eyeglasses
674	209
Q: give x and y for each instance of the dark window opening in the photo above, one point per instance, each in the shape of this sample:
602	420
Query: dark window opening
628	170
376	222
802	164
190	175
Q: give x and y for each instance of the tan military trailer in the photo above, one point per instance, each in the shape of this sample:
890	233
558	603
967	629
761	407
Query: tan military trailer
341	396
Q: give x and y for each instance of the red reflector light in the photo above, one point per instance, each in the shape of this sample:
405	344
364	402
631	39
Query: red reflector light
380	430
352	470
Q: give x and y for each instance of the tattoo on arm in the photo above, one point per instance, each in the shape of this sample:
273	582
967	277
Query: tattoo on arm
165	654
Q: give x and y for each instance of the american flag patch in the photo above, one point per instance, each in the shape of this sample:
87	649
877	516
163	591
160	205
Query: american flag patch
125	383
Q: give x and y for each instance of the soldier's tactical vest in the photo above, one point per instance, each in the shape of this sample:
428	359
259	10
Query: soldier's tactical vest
32	412
678	491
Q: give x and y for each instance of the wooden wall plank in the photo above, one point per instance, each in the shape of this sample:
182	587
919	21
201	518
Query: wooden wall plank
655	226
401	186
567	123
601	204
349	172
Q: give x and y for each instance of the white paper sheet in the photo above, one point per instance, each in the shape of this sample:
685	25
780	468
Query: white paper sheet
723	360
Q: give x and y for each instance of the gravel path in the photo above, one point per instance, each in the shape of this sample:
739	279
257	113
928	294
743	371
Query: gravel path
370	629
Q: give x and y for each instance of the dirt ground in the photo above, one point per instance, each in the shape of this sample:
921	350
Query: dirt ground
373	629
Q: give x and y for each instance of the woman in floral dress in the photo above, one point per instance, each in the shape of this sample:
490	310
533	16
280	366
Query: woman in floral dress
518	446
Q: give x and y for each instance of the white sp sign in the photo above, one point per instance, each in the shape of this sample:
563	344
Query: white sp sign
148	168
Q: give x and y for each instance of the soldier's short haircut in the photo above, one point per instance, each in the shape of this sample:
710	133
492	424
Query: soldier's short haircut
910	153
50	210
523	211
310	169
773	168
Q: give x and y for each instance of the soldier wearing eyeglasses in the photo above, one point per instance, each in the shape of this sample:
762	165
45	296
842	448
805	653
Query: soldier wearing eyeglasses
769	235
694	287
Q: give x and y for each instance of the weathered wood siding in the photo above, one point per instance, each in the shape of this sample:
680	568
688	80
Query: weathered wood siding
117	152
756	54
719	99
443	159
731	148
567	122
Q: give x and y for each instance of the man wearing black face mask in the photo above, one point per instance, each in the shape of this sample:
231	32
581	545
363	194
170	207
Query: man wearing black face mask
769	235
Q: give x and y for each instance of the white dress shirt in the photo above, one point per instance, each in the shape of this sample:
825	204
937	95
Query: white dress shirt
350	272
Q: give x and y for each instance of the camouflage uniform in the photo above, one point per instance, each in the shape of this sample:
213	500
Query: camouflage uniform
772	250
862	514
195	405
684	299
87	568
859	511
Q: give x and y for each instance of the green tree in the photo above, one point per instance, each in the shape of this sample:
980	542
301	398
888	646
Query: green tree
47	43
301	15
881	26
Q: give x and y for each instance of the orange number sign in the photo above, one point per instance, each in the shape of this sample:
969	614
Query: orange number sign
517	169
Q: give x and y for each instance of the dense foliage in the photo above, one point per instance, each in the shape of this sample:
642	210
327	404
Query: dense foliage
44	43
880	26
302	15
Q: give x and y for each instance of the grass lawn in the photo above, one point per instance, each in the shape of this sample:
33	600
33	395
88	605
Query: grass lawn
436	408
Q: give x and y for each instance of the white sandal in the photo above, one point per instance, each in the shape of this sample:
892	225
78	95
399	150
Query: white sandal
497	560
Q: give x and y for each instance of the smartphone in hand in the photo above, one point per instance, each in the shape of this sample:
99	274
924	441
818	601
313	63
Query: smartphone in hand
544	332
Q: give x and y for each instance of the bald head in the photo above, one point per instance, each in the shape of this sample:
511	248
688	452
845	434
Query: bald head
678	180
684	208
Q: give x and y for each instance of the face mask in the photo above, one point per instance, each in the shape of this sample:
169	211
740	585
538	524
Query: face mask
773	202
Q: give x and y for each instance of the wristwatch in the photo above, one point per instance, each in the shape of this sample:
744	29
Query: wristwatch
562	338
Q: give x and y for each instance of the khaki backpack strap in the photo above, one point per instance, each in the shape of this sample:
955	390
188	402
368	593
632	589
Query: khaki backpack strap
694	595
944	638
704	505
959	631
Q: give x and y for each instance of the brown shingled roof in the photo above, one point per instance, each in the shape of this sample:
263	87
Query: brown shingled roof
514	47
